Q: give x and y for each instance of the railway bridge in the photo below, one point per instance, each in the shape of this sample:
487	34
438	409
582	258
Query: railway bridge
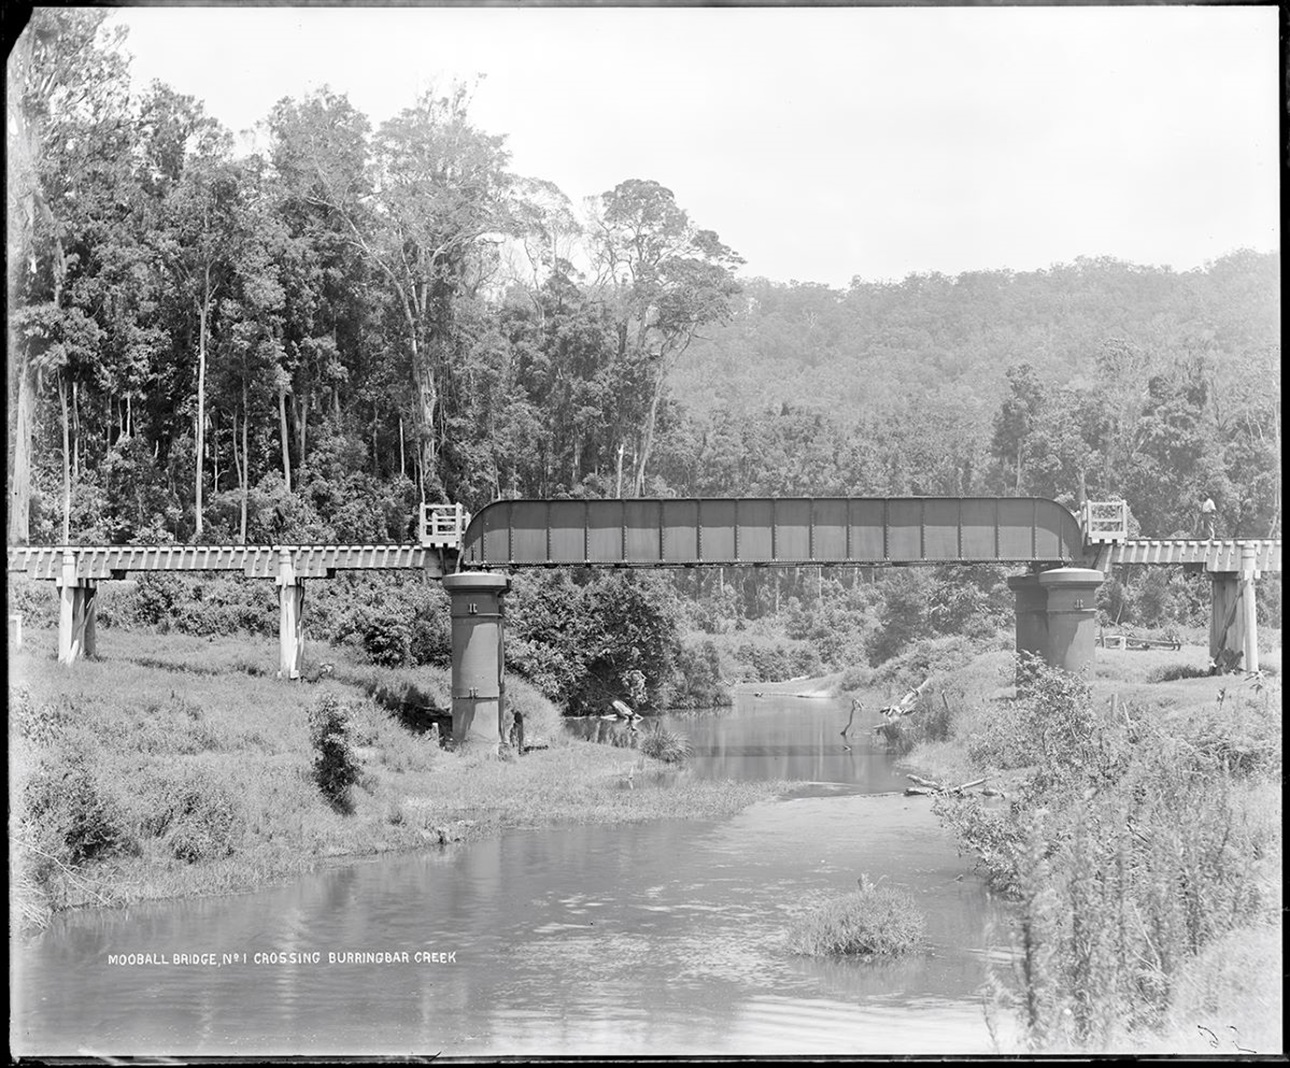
1065	558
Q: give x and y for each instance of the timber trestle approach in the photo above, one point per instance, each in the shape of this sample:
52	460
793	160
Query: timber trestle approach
1066	557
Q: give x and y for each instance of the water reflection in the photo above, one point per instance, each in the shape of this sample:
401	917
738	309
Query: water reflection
796	739
662	938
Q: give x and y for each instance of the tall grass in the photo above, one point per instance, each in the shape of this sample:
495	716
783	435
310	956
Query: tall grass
871	922
1132	845
661	743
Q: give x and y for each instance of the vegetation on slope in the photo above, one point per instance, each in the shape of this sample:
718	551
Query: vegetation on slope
1139	835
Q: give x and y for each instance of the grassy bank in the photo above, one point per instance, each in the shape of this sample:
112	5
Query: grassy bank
178	765
1139	835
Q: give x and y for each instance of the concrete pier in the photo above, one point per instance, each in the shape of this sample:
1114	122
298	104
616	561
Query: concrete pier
478	657
1057	616
1072	616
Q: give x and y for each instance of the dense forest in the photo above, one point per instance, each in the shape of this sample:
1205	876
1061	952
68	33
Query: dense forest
302	342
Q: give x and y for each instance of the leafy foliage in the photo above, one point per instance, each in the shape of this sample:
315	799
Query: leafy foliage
581	638
335	764
1127	847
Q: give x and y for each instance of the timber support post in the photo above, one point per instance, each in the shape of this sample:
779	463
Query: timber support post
478	622
1233	621
1072	616
1248	607
291	602
77	613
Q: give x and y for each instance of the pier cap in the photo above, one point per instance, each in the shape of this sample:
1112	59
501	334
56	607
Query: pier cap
1071	576
476	581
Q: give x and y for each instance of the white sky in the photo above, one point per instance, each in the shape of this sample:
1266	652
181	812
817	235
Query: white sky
820	143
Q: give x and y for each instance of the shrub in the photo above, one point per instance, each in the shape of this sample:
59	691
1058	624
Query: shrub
1128	847
666	745
873	922
1174	672
156	595
430	641
387	640
335	765
580	635
80	819
196	816
41	724
698	682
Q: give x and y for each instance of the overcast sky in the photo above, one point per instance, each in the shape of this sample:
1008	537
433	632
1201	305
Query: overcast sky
820	143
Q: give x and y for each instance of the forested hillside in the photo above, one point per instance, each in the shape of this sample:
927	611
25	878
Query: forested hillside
301	342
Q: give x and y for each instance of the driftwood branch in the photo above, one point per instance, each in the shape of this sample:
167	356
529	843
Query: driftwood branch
929	787
907	704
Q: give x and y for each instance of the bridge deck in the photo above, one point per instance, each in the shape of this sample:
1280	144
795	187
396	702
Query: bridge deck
685	532
1214	554
256	561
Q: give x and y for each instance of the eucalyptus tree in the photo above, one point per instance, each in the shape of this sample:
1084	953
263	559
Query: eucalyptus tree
665	279
431	202
66	111
207	239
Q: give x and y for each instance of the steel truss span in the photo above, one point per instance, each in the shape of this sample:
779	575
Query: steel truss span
752	531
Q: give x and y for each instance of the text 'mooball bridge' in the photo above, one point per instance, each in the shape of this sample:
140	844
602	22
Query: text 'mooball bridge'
1066	557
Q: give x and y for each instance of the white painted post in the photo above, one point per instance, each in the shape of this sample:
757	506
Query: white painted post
1251	636
291	601
69	645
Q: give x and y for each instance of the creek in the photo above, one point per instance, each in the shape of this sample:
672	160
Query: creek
658	938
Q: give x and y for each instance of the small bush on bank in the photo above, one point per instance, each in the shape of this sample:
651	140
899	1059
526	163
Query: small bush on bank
335	764
78	817
196	816
917	662
1174	672
387	640
669	746
875	922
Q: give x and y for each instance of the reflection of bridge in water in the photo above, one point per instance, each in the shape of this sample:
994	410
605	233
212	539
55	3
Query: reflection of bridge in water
1065	557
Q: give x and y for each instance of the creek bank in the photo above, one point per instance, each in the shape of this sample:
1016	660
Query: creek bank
1145	776
99	755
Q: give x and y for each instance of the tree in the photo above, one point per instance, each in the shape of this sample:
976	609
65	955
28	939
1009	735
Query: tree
66	94
198	230
665	279
1016	422
436	196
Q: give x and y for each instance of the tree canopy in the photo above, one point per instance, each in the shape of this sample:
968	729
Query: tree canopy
303	342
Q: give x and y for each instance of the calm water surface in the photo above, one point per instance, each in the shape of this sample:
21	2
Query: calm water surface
658	938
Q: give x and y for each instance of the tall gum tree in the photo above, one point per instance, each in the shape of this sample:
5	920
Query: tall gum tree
199	231
437	192
66	89
666	280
